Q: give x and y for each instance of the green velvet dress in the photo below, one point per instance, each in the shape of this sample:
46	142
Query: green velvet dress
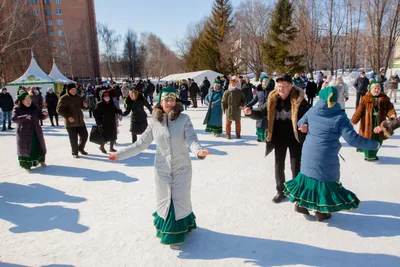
172	232
324	197
371	154
213	129
260	132
36	155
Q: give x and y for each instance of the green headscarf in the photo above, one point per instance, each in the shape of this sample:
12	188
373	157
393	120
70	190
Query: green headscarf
330	95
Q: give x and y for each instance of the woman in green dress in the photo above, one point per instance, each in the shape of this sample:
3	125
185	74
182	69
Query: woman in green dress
214	114
374	108
30	141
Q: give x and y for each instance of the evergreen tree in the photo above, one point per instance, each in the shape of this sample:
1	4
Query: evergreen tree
217	29
281	33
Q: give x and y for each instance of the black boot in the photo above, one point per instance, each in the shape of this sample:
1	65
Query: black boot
57	120
51	120
102	149
322	216
4	129
279	197
112	146
301	210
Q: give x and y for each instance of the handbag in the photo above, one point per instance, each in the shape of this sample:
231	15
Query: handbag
96	135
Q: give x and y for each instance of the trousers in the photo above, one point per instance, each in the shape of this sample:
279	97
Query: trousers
73	133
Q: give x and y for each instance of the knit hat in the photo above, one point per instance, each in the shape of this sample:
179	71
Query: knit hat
3	89
22	95
263	78
71	86
330	95
217	82
372	83
167	93
50	89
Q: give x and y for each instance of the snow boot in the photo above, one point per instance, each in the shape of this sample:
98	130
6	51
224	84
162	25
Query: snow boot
279	197
112	147
75	156
322	216
102	149
301	210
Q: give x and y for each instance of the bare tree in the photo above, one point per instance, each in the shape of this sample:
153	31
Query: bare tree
130	54
253	18
109	39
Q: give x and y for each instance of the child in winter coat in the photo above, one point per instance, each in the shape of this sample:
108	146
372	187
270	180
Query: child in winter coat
374	108
317	186
31	147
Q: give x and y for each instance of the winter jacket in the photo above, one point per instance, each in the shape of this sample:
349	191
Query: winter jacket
184	92
247	89
139	116
205	88
260	98
6	102
172	133
319	159
71	106
51	102
311	89
37	100
150	88
361	85
343	94
194	89
299	83
364	114
104	114
232	100
275	112
26	127
214	113
91	100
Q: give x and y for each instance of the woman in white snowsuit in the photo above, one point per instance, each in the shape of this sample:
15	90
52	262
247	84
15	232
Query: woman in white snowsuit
172	132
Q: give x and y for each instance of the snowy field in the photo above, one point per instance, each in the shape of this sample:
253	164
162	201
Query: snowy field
94	213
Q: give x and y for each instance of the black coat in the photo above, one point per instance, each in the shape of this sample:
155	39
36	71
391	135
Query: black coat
105	116
184	92
205	88
26	127
194	89
150	88
311	89
260	98
6	102
138	116
361	85
247	89
51	102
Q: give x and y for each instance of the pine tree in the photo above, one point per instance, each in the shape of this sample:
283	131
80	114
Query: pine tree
216	31
281	33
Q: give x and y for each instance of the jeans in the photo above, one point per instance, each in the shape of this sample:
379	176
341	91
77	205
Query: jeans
5	115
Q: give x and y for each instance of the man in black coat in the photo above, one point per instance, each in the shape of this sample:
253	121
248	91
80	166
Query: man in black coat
149	92
51	103
311	91
204	88
284	108
6	105
247	89
361	85
194	90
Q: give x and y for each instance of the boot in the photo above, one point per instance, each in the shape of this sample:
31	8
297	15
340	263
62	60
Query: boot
102	149
322	216
112	147
301	210
4	129
279	197
238	126
51	120
56	120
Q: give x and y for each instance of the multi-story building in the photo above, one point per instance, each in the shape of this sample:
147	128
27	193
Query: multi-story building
70	27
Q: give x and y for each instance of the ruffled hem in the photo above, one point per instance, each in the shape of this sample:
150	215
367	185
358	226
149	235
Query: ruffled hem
213	129
260	132
173	232
28	163
325	197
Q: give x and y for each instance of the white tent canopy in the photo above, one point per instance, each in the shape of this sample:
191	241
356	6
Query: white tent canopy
197	76
34	76
57	76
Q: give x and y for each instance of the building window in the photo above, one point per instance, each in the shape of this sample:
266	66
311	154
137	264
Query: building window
60	33
46	2
58	11
47	12
53	44
32	2
63	44
36	12
60	22
63	53
51	33
57	1
49	22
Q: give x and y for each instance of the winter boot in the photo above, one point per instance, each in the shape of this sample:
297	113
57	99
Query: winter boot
51	121
102	149
322	216
112	147
279	197
57	120
301	210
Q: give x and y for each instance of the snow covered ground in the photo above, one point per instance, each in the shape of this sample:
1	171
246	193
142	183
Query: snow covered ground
91	212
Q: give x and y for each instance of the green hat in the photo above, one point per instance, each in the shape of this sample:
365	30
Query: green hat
330	95
167	93
22	95
217	81
263	78
372	83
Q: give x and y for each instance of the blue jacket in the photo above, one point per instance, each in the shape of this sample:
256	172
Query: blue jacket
319	159
214	114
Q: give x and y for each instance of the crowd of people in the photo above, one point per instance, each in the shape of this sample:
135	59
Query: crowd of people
286	119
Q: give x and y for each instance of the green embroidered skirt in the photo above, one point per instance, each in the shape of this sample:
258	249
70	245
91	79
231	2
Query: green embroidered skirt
260	132
325	197
213	129
36	155
173	232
